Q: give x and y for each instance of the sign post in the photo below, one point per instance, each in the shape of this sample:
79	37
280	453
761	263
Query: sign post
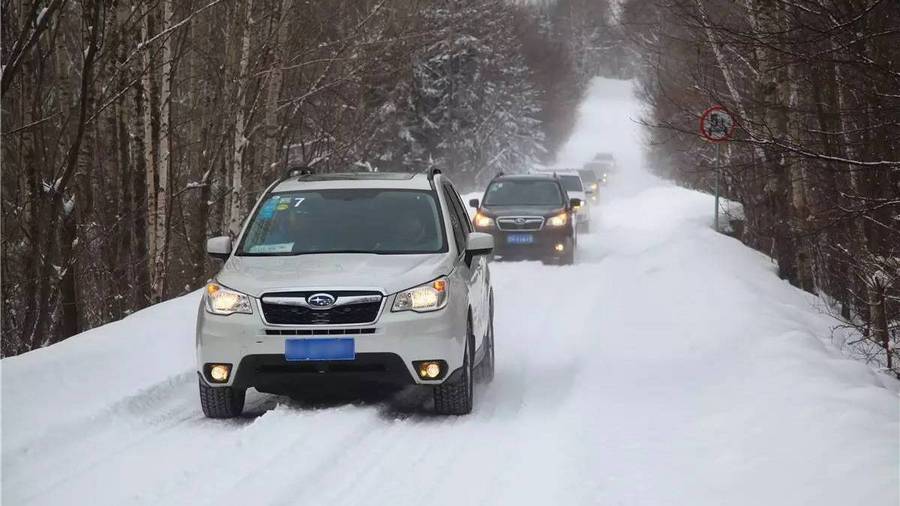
716	126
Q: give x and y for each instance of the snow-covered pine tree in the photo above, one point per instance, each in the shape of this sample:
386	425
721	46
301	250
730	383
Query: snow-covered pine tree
468	106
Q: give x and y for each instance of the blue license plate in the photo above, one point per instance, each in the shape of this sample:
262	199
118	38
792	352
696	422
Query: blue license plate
339	348
519	239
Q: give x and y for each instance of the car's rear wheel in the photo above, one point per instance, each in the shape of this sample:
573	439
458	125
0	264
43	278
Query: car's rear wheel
221	402
455	396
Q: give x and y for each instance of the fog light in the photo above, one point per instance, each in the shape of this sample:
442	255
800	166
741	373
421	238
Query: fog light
429	370
219	372
560	247
432	370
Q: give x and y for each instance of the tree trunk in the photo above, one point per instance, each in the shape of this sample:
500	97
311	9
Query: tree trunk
163	196
236	211
150	152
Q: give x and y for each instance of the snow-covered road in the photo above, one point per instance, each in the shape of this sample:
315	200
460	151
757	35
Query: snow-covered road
670	366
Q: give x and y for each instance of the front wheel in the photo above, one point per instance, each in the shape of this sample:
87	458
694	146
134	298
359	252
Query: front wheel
568	257
221	402
456	396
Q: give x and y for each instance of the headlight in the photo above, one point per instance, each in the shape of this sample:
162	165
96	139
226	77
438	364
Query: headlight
220	300
483	221
559	220
428	297
594	186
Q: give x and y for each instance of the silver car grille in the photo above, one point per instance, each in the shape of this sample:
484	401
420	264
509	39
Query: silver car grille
520	223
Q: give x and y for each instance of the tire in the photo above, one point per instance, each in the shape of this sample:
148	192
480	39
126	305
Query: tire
568	257
485	369
455	397
221	402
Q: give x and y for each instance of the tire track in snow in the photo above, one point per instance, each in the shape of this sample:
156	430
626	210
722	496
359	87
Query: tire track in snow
89	441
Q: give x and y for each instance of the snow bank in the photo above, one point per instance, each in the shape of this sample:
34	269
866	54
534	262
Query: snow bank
96	372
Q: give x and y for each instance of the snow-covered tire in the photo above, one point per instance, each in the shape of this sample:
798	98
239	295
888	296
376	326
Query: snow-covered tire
221	402
485	370
456	396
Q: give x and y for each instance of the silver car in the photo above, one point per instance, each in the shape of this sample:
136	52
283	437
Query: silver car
358	277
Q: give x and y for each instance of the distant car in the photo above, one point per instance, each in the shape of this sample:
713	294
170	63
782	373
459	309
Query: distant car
604	166
573	184
361	277
530	216
591	183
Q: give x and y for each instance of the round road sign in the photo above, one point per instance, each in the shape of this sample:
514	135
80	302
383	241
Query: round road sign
716	124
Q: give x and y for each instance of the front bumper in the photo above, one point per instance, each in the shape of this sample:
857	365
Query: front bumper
544	245
385	350
274	374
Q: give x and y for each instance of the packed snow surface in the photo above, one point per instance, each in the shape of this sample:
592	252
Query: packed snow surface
669	366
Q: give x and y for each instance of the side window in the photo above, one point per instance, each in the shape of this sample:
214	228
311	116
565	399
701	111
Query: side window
459	233
461	209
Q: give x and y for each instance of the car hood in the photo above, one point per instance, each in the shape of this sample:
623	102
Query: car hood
255	275
499	211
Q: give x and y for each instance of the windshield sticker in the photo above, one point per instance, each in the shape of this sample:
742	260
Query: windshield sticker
285	247
268	210
298	201
284	203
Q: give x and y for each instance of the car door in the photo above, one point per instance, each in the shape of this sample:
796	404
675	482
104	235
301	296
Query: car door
475	269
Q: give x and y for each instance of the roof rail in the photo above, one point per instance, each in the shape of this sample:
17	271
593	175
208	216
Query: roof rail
433	172
298	171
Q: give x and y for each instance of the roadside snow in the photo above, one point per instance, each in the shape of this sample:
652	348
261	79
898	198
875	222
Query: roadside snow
669	366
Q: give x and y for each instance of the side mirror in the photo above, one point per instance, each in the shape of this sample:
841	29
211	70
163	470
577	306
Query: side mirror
575	203
479	243
219	247
473	203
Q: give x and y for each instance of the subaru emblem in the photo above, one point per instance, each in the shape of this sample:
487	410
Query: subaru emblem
520	221
320	300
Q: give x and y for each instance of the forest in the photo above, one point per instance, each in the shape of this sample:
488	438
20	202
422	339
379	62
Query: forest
815	161
133	130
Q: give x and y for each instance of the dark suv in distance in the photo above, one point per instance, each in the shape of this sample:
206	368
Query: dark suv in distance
530	217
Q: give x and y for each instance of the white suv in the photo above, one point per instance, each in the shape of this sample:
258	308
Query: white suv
571	181
372	277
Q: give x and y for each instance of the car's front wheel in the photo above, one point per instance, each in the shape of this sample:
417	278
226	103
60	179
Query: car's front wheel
221	402
568	257
456	396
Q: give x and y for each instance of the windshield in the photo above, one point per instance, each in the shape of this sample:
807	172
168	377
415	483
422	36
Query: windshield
588	176
571	183
523	193
345	221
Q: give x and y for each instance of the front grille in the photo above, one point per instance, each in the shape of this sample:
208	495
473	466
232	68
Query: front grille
318	332
287	314
520	223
